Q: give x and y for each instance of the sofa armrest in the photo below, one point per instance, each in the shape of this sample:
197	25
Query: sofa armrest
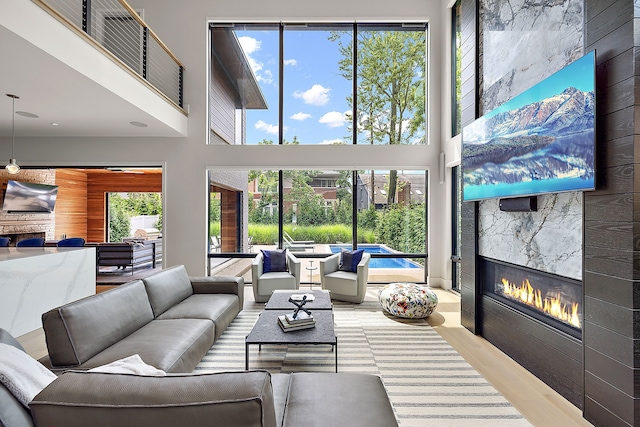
219	285
105	399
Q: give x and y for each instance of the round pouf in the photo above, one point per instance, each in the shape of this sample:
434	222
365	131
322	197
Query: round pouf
408	300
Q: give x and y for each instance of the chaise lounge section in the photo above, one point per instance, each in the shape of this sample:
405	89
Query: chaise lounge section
242	399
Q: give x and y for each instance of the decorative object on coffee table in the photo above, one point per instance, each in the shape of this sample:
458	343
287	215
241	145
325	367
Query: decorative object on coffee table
408	300
316	299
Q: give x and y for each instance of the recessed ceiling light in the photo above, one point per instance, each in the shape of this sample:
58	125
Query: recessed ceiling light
139	124
27	114
55	124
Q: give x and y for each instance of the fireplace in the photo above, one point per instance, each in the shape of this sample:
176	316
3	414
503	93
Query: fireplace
554	300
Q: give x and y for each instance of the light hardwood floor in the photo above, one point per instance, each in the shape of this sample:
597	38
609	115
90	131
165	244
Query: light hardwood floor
535	400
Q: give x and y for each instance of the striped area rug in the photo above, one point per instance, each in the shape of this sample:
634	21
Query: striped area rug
428	382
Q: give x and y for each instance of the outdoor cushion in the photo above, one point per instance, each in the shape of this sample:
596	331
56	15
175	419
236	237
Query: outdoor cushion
275	260
349	260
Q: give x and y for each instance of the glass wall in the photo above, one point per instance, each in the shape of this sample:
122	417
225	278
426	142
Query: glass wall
456	69
320	216
301	83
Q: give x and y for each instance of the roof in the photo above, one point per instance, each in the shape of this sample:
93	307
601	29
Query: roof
226	48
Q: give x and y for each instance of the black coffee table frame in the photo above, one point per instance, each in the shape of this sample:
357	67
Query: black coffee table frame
267	331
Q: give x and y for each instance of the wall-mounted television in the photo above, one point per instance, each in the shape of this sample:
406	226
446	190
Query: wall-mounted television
28	197
541	141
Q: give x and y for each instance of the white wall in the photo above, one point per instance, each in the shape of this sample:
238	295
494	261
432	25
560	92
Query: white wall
183	28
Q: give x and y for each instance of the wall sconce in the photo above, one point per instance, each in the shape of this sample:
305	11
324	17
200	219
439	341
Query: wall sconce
12	167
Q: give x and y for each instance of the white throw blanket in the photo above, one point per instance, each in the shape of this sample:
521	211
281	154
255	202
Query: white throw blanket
21	374
130	365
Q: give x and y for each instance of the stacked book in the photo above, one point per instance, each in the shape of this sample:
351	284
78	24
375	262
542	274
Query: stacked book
302	321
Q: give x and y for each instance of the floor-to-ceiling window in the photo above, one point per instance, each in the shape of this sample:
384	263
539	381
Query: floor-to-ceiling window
324	84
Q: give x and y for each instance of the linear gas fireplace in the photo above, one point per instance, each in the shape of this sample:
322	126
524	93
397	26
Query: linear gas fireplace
551	299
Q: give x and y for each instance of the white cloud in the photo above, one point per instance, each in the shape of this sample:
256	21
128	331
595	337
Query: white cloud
332	141
317	95
300	116
250	46
291	62
266	127
333	119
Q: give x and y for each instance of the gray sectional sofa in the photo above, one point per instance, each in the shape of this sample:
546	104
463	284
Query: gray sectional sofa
170	319
229	399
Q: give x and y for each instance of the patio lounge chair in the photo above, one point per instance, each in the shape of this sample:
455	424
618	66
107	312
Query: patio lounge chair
298	242
297	246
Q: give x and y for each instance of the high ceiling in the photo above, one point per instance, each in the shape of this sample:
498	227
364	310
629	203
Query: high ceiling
58	93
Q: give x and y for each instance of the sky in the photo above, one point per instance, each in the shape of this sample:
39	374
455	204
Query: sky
314	91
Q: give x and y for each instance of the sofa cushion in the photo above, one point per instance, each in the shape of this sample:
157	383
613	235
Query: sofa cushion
173	345
349	260
219	308
167	288
96	399
364	401
274	261
81	329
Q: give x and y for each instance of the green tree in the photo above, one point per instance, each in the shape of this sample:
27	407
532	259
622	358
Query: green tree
119	219
391	74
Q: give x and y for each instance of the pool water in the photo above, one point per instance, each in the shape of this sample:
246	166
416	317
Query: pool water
379	262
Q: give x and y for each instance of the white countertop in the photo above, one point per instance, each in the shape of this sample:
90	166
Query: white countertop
11	253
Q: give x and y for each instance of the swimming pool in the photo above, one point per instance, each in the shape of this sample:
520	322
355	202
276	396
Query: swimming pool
379	262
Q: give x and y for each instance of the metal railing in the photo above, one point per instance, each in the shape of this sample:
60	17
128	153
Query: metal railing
118	28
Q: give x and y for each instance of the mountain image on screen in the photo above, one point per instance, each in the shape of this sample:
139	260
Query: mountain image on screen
550	140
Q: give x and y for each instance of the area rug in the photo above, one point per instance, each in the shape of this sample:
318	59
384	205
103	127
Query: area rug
428	382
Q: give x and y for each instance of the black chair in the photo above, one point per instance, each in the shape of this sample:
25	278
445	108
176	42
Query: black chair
71	242
4	241
34	242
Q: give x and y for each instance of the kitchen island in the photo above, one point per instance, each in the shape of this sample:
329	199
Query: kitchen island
35	280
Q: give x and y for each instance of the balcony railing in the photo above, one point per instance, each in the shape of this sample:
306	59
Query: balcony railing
118	28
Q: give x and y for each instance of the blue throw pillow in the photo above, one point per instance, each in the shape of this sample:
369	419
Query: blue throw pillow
275	260
349	260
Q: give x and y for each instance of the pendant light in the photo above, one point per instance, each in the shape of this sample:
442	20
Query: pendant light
12	167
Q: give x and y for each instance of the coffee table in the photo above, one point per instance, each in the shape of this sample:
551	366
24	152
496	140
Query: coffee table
279	300
267	331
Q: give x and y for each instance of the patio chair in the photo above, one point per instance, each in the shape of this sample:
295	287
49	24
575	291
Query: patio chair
35	242
71	242
265	282
297	242
296	246
215	244
349	286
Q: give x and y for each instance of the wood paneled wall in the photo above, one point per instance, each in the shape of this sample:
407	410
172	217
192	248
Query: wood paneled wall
612	220
98	184
469	303
71	204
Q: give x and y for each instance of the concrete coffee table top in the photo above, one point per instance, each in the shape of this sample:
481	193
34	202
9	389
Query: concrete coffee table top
279	300
267	331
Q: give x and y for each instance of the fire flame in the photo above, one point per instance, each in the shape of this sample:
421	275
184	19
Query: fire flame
552	306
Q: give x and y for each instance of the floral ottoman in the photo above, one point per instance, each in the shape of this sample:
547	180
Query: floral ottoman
408	300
